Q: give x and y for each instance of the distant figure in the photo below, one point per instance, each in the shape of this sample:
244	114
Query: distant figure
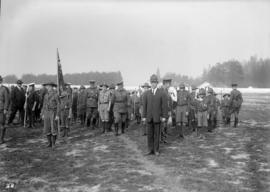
225	109
236	101
111	117
155	111
32	101
193	109
65	112
183	102
74	104
81	104
4	104
104	103
202	110
92	94
17	100
211	106
145	87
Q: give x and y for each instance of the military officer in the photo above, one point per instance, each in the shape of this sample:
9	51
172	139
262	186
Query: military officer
236	101
92	94
65	112
50	113
120	108
104	103
211	106
193	108
183	102
81	106
4	105
225	109
31	104
202	110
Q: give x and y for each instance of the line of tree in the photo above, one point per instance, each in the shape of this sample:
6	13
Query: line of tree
74	78
254	72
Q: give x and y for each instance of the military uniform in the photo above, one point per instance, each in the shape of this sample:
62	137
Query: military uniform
32	101
4	105
65	112
193	109
49	111
81	105
104	107
212	109
136	107
120	108
225	109
236	101
91	105
111	117
74	105
183	102
202	110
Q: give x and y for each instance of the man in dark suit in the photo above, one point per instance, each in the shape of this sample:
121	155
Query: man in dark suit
17	100
155	112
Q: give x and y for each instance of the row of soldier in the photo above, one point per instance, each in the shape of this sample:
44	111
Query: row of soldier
110	107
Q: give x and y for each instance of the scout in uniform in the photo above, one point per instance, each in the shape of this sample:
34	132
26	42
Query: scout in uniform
183	102
202	110
145	87
136	106
193	109
91	104
4	105
236	101
120	108
225	109
104	107
31	104
65	112
211	106
50	112
81	106
217	111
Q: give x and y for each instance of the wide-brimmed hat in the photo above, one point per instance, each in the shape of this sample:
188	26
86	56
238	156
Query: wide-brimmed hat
31	84
146	85
120	83
92	81
226	94
167	80
82	87
210	90
19	82
112	86
182	85
234	84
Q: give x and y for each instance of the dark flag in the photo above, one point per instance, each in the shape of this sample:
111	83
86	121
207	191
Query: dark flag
60	78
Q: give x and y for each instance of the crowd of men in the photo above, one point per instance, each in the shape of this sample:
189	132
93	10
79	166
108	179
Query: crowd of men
155	108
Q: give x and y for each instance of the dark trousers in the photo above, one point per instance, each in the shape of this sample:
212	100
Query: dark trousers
31	116
153	136
14	110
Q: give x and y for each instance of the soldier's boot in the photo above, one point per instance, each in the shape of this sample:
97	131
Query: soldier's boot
116	129
194	126
2	134
103	124
180	130
54	137
67	131
235	122
49	138
210	124
123	127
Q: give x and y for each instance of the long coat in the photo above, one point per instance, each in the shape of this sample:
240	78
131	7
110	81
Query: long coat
155	106
18	97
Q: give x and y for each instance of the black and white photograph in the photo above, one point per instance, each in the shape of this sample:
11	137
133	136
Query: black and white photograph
134	96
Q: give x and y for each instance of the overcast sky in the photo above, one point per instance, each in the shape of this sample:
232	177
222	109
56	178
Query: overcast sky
133	37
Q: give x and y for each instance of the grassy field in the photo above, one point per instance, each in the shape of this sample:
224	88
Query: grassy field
229	159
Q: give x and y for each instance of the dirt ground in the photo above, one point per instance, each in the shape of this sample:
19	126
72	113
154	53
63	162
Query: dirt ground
229	159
